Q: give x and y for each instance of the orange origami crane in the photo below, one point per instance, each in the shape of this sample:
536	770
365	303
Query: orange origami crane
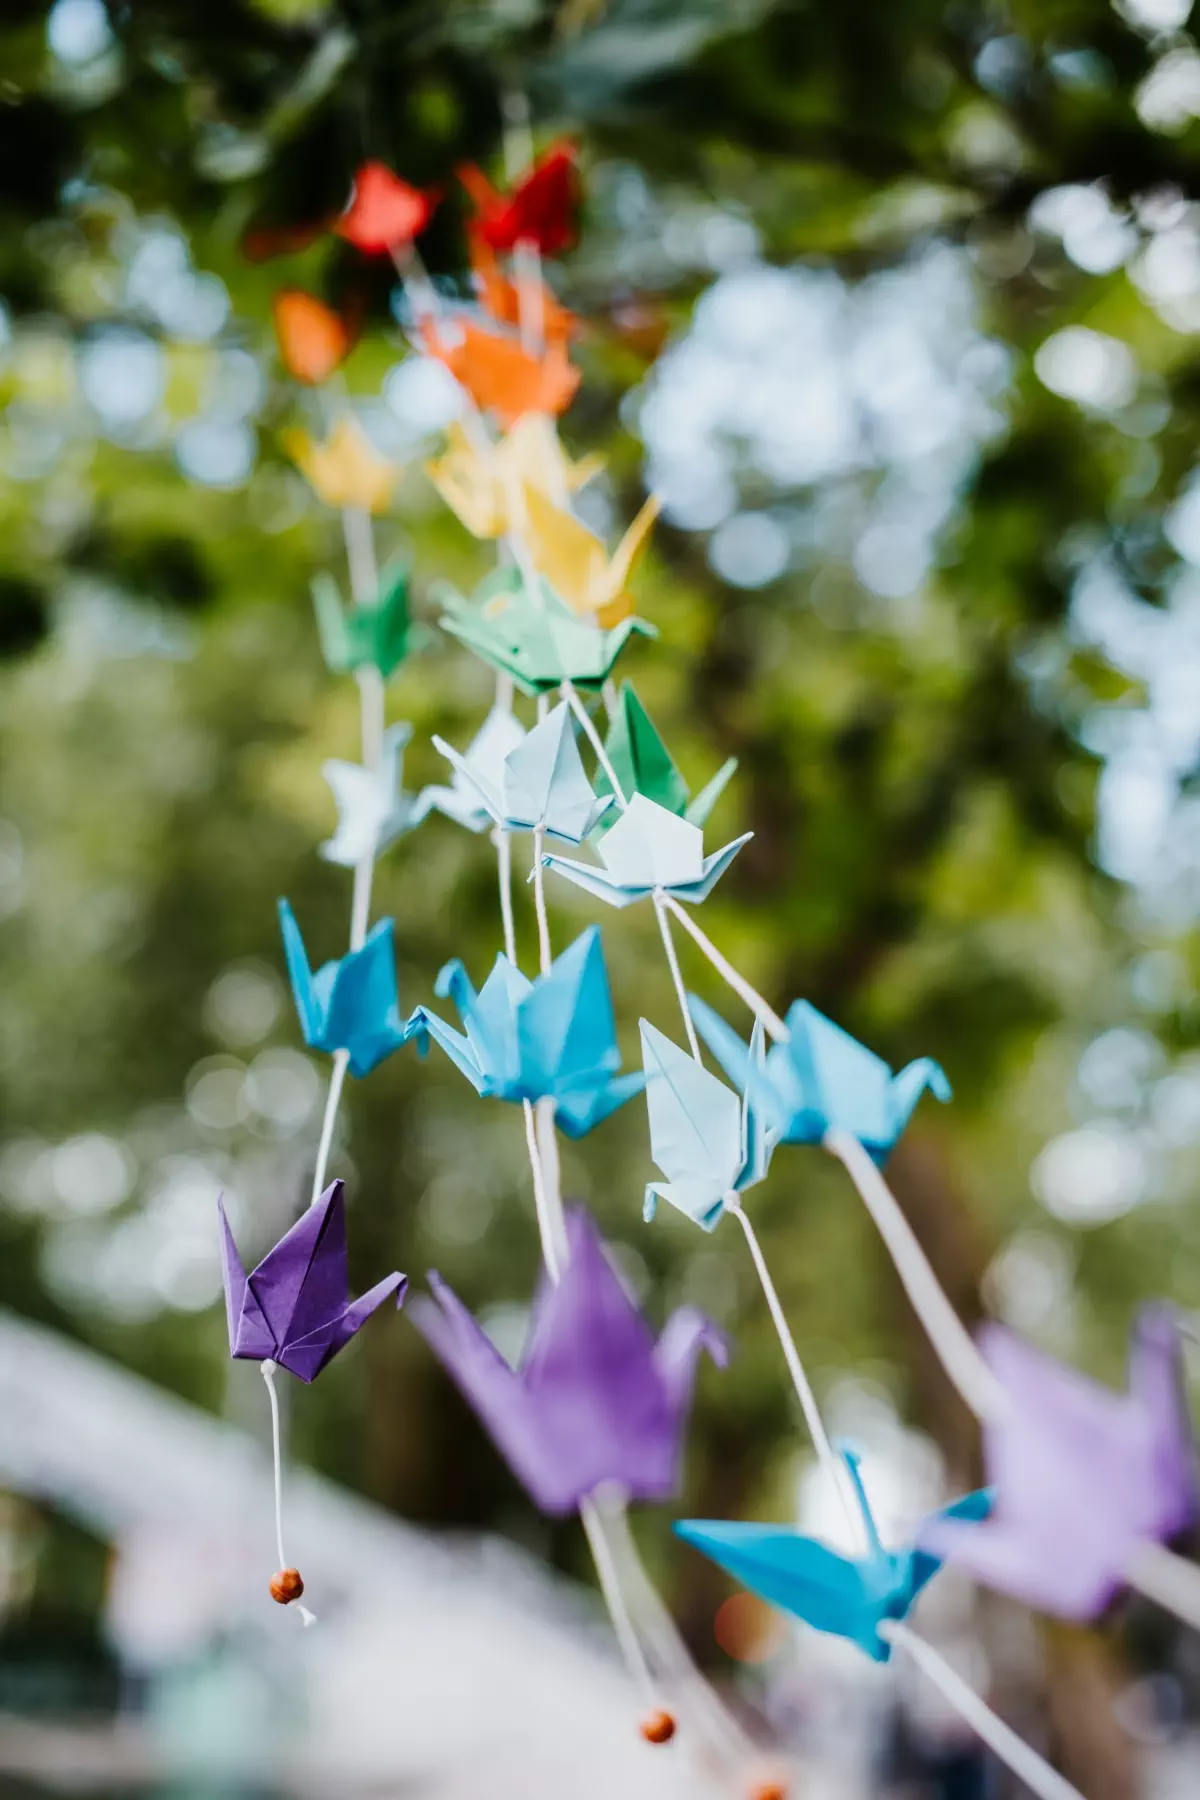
500	377
484	483
313	339
575	562
346	471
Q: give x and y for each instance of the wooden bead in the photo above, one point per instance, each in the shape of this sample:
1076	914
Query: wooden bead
286	1586
658	1728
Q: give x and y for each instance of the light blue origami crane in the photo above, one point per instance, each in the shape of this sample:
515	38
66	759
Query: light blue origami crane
553	1038
500	733
373	808
650	849
707	1141
349	1004
542	782
821	1079
847	1596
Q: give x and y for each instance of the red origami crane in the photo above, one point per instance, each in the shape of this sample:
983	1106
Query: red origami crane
384	212
539	210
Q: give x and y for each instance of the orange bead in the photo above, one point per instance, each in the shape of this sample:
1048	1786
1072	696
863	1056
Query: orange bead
769	1790
658	1728
286	1586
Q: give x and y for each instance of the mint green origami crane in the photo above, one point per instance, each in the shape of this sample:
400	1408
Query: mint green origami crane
376	634
532	636
643	765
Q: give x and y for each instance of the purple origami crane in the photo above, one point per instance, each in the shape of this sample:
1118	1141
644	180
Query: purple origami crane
596	1400
294	1309
1082	1475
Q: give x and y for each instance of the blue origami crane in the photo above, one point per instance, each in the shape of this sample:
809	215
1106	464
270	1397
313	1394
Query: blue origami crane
847	1596
542	782
373	808
350	1004
707	1141
821	1079
650	849
500	733
553	1038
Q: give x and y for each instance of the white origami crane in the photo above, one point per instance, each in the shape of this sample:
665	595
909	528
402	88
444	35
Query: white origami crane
500	732
649	849
541	784
373	808
708	1141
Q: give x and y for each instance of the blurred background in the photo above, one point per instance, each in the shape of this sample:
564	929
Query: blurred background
897	306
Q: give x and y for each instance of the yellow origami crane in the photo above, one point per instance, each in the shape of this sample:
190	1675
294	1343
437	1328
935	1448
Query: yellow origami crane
485	483
345	471
575	562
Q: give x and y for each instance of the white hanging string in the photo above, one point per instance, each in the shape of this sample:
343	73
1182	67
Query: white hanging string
955	1348
614	1598
1170	1581
725	969
268	1375
503	843
664	926
830	1461
665	1649
553	1239
1020	1757
568	690
337	1077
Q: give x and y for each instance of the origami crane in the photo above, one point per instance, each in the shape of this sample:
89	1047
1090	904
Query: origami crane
542	784
384	212
500	733
553	1038
376	633
596	1401
349	1004
485	484
707	1141
373	808
850	1597
650	849
643	765
539	209
822	1079
1083	1476
500	375
534	637
313	339
346	471
294	1309
575	563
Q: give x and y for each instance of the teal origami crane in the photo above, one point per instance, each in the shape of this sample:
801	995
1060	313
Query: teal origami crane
821	1079
650	850
350	1004
500	733
373	808
540	785
553	1038
643	765
376	633
532	636
850	1597
708	1142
